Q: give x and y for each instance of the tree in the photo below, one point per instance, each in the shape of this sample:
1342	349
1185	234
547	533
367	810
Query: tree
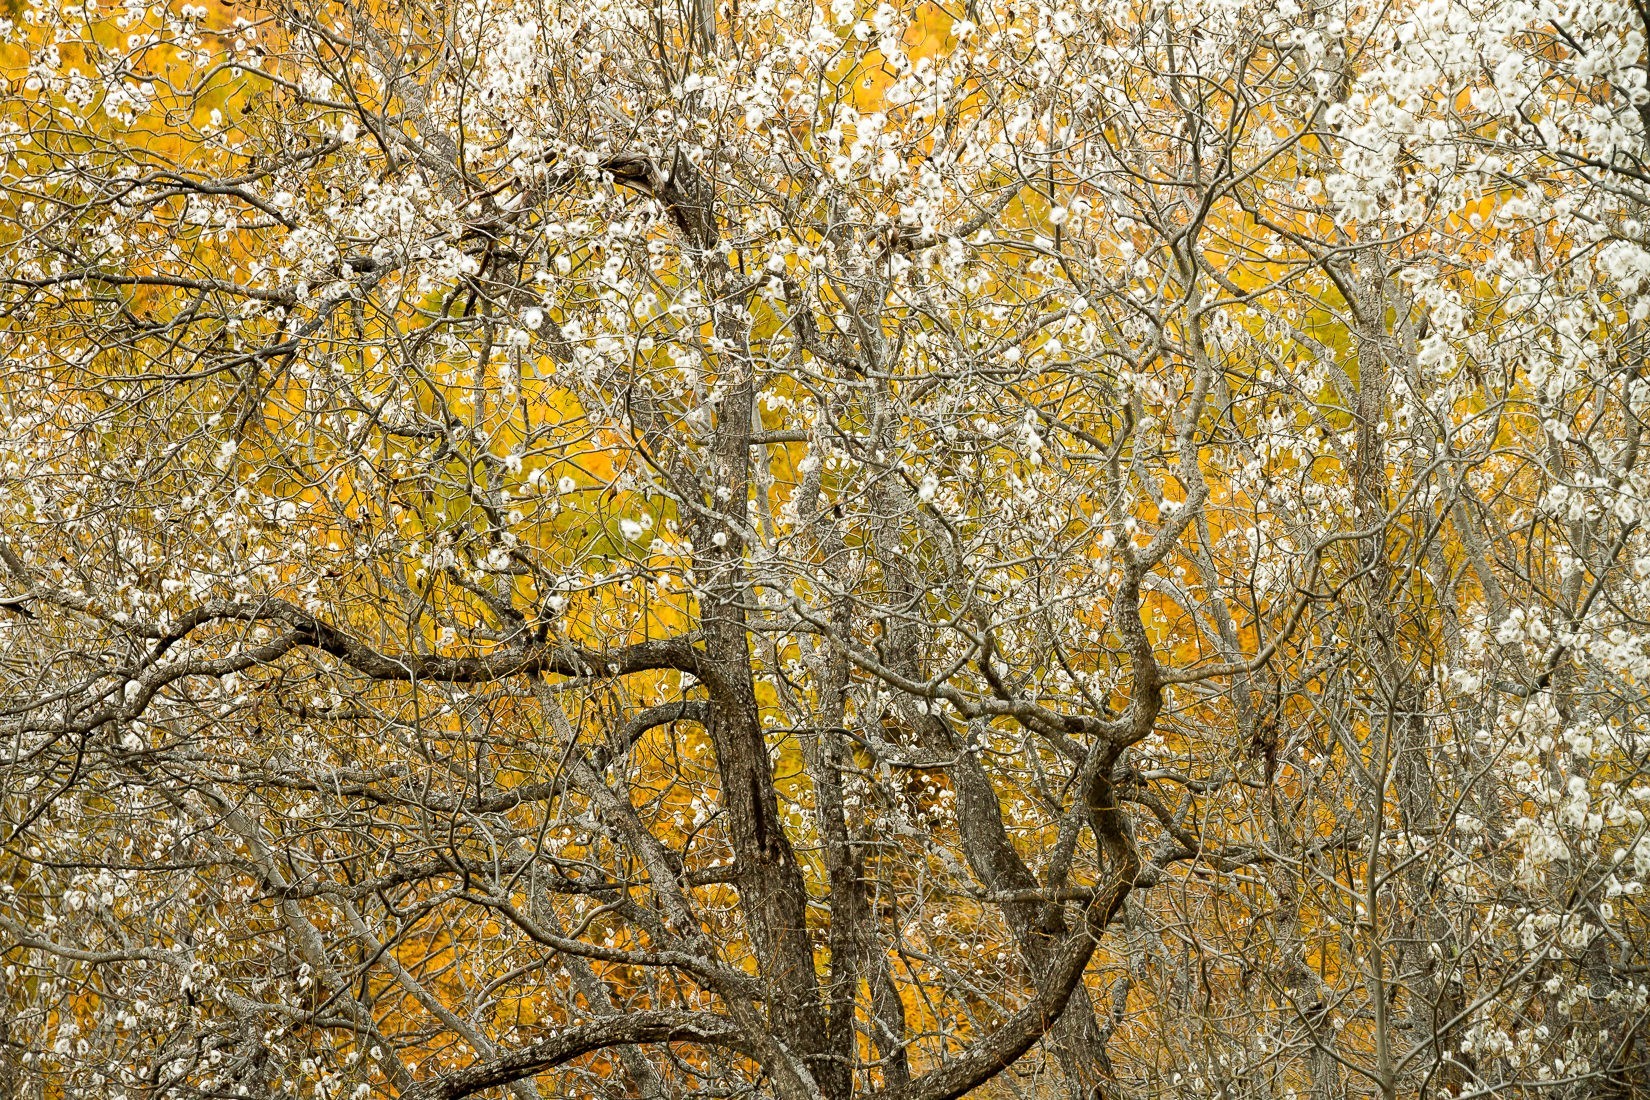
754	549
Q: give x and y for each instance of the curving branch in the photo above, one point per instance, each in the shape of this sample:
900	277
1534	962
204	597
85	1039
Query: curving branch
628	1030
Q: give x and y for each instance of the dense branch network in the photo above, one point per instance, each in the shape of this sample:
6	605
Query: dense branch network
822	552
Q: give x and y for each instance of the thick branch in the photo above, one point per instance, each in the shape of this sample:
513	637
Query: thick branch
629	1029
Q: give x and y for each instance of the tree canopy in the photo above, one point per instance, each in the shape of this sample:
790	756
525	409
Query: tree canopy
742	548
